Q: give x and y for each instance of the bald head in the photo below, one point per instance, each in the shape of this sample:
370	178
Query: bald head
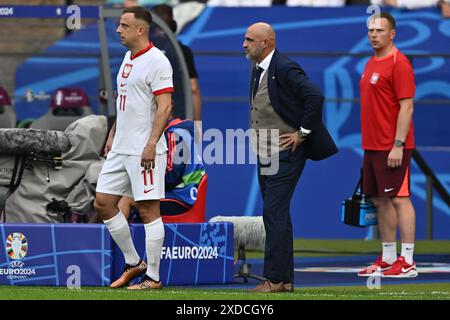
259	41
263	30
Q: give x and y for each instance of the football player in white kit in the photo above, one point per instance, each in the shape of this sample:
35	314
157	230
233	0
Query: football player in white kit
136	148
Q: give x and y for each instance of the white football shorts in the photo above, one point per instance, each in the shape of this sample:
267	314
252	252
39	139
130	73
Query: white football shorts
123	175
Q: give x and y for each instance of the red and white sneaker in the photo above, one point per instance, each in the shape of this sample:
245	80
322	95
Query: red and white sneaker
401	269
377	268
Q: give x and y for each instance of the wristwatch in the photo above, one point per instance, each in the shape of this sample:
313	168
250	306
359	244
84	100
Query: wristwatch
399	143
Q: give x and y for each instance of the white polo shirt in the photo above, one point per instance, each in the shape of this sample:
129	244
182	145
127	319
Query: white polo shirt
140	79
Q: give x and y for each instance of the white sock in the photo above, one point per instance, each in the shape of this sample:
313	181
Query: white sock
389	252
120	232
408	252
154	238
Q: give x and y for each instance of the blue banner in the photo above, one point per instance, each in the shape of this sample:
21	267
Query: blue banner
85	254
50	254
193	253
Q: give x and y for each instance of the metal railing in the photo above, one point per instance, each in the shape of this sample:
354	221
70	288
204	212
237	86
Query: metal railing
431	182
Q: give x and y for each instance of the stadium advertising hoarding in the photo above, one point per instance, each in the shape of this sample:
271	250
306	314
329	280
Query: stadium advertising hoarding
84	255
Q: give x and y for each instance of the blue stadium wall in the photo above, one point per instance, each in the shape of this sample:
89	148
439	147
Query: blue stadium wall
232	188
44	254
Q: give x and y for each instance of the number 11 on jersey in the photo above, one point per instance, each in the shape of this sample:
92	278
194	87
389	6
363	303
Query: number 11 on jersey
148	177
122	101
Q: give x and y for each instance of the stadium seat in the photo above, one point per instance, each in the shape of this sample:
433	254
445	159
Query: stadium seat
198	210
67	105
7	112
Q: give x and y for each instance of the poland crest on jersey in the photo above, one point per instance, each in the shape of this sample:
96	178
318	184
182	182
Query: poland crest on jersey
374	78
126	70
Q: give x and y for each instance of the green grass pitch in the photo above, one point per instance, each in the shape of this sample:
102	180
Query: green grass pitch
435	291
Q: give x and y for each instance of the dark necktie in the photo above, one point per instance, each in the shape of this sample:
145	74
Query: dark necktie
257	73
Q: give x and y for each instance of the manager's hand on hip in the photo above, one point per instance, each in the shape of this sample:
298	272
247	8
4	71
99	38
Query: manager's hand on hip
291	140
148	157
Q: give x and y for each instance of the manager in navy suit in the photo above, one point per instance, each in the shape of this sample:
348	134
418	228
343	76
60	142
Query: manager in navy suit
286	115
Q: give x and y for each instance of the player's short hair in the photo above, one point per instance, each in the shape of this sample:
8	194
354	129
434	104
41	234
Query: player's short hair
389	18
139	13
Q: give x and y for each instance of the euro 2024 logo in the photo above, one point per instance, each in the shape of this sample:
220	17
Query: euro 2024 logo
17	249
17	246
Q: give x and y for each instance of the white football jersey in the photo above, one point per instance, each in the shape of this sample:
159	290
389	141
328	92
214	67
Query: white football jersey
140	79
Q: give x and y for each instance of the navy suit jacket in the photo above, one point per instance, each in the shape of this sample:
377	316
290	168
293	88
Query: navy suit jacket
299	103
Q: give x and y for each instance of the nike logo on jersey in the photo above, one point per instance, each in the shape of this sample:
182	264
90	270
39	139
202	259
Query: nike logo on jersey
388	190
147	191
123	84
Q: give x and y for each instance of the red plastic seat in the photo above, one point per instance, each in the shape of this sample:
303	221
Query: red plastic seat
198	211
7	112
